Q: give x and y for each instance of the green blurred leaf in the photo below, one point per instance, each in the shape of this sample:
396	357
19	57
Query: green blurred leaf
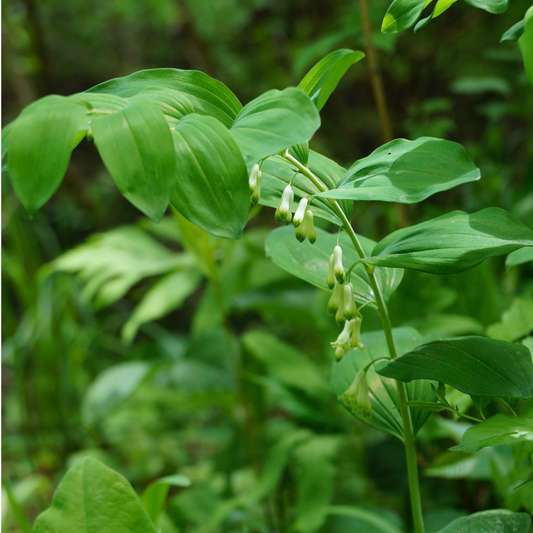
212	183
384	393
90	497
497	431
406	172
136	146
111	388
514	32
273	122
519	257
166	295
207	95
481	84
458	465
525	42
474	365
310	261
154	496
516	322
401	15
40	142
322	79
492	6
453	242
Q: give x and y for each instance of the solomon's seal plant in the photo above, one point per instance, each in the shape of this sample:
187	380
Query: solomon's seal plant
182	138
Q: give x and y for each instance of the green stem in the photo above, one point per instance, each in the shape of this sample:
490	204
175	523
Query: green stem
408	433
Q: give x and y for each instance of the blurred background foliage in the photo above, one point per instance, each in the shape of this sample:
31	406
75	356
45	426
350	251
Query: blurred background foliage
161	350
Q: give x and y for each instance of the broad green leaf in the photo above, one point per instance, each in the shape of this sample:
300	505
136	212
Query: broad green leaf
167	294
300	152
111	388
207	95
452	243
92	498
406	172
154	496
401	15
385	416
498	430
322	79
212	183
441	6
136	146
492	6
273	122
516	322
495	521
460	464
363	518
474	365
278	173
40	142
519	257
286	363
310	261
525	41
514	32
174	104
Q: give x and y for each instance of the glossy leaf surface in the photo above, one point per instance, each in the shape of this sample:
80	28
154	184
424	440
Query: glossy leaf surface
453	242
474	365
405	171
495	521
401	15
212	183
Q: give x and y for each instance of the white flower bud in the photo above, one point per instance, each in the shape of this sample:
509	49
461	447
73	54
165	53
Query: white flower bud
301	231
355	339
350	309
284	211
330	279
256	193
338	268
311	232
335	299
357	396
343	340
252	181
339	353
300	212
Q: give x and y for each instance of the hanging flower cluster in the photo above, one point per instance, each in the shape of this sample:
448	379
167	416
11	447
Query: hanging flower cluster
357	396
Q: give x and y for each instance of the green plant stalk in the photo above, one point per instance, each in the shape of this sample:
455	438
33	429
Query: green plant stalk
408	433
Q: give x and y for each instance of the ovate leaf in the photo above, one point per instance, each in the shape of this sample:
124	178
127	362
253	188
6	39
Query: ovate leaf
212	182
514	32
322	79
497	431
519	257
406	172
474	365
310	261
207	95
492	6
401	15
273	122
495	521
525	42
92	498
136	147
453	242
40	142
384	393
154	496
516	322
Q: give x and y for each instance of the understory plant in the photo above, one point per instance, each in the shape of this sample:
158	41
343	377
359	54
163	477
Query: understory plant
169	136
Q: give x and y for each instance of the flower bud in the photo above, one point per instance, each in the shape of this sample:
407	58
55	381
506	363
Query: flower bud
343	340
284	211
311	232
300	212
338	267
301	231
357	396
350	309
252	181
335	300
257	190
330	279
339	315
339	353
355	339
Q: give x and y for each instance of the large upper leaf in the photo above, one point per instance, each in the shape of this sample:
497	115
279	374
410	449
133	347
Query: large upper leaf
322	79
474	365
406	172
212	183
401	15
310	261
497	431
136	147
278	173
492	6
384	392
453	242
495	521
207	95
40	143
92	498
273	122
